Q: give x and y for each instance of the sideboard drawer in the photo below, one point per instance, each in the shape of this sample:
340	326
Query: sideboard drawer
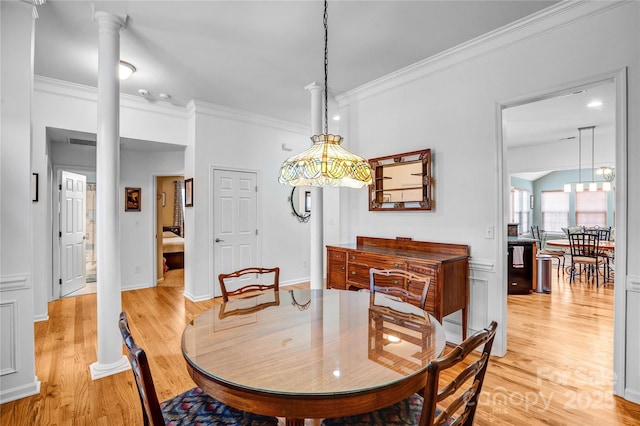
375	261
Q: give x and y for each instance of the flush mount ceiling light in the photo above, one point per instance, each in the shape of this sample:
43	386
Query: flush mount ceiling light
125	70
326	163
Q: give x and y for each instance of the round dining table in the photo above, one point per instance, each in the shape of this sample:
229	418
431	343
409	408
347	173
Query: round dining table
564	243
303	354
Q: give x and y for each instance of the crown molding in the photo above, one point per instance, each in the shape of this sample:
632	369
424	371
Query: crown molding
90	94
200	107
549	19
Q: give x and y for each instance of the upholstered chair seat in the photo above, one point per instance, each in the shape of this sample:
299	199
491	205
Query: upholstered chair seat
194	407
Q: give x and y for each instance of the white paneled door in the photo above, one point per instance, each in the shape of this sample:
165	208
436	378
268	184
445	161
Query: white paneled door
72	220
235	222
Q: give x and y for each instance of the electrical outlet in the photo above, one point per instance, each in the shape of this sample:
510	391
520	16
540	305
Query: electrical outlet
488	232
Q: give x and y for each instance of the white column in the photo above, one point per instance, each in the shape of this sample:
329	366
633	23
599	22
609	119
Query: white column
316	270
110	357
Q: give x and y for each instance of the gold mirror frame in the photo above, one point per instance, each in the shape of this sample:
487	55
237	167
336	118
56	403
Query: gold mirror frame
401	182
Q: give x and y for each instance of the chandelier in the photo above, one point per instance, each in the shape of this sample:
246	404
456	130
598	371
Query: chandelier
326	163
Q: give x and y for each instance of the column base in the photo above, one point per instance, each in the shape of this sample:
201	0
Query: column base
99	371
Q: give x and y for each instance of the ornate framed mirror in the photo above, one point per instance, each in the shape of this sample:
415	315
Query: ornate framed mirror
301	213
401	182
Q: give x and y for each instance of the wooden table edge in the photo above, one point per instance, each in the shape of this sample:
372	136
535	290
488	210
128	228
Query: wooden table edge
296	408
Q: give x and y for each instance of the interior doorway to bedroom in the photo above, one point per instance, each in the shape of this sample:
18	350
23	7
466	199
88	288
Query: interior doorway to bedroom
170	230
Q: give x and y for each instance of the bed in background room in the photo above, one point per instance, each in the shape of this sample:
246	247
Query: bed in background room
172	247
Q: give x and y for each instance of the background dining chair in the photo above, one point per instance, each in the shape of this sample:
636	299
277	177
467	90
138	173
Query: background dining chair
407	286
189	408
460	394
245	275
541	249
604	234
585	251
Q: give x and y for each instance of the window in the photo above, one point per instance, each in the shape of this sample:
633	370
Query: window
591	208
520	209
555	210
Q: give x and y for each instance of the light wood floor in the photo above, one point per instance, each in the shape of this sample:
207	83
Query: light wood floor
557	370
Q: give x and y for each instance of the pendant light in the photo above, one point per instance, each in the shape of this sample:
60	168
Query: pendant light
326	163
593	185
579	185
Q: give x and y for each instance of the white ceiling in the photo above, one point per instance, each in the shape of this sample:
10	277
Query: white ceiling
557	119
258	56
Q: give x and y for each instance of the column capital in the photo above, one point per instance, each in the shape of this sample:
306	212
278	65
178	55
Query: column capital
110	21
313	87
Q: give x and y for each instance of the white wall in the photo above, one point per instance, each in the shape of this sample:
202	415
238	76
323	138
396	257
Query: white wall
220	138
137	230
69	106
17	366
449	104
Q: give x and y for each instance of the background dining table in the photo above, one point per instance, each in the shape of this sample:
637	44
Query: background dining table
311	353
564	243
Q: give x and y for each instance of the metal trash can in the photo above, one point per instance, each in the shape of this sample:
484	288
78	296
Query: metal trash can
544	266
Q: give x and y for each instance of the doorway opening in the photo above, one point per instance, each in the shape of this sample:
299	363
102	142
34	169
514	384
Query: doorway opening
170	230
546	150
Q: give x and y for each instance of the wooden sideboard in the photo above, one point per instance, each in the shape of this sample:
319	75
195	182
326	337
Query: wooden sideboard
446	264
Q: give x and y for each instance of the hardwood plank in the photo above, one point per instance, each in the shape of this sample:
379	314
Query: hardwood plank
558	369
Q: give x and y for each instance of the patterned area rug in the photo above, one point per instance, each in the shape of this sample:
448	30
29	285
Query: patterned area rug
173	278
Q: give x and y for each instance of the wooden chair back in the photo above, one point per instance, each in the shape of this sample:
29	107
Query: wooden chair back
461	393
401	284
260	273
151	412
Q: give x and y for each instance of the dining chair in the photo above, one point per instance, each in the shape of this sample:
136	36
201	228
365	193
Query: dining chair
189	408
460	395
541	249
249	275
407	286
584	251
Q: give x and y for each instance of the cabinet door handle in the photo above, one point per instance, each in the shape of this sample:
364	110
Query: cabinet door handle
395	281
395	265
353	272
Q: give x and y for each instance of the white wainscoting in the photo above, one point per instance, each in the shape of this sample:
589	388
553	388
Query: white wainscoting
17	366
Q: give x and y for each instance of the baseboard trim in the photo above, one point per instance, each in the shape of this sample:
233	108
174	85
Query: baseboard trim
20	392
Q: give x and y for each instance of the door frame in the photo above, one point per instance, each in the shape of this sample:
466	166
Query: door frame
55	224
212	197
620	296
157	241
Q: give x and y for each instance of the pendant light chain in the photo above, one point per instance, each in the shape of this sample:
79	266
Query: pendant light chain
326	65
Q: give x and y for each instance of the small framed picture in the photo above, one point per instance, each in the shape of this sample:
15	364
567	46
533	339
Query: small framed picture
188	192
132	199
307	201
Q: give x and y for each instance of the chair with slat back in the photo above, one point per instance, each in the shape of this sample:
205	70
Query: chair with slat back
585	251
460	395
604	234
260	273
190	407
541	249
407	286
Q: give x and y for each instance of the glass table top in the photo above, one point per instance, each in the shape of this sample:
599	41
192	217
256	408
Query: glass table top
312	342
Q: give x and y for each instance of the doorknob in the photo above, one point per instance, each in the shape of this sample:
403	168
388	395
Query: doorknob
218	240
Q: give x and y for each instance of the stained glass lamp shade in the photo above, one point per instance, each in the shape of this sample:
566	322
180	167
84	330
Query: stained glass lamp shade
326	163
